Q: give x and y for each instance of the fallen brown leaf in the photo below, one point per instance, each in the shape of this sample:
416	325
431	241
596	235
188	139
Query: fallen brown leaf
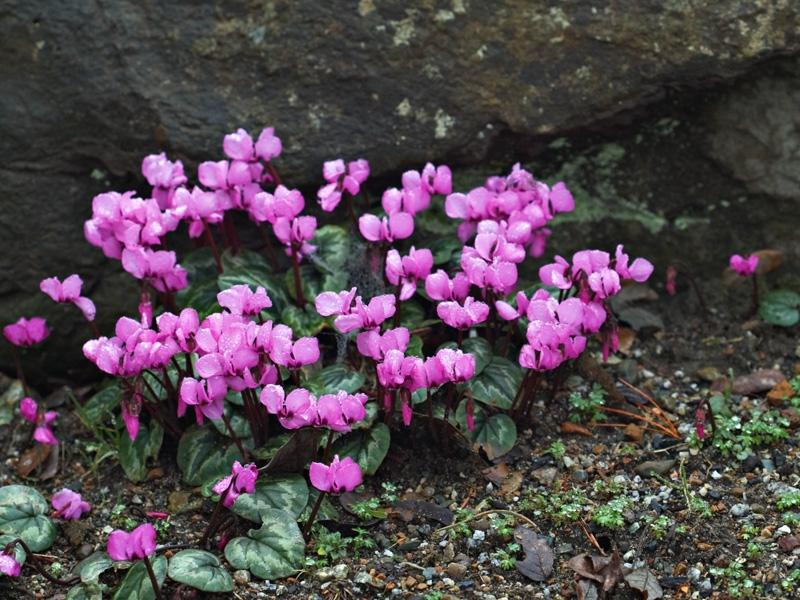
780	393
408	509
788	543
538	563
644	581
768	260
586	590
496	473
606	570
32	459
756	382
570	427
634	432
626	338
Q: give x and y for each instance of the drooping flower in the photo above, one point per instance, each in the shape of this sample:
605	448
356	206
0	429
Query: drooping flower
242	480
449	365
9	565
131	409
293	355
136	545
201	207
744	265
69	505
396	226
352	316
69	291
340	411
405	271
268	145
400	372
374	344
165	176
282	204
158	267
26	332
439	286
205	395
43	420
340	476
296	234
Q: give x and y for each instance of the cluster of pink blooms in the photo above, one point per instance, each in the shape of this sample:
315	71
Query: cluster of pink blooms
300	408
341	179
400	205
242	480
744	265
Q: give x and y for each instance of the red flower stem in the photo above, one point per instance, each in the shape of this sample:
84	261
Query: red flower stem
20	372
32	561
275	177
212	522
152	575
252	416
234	437
313	515
430	412
94	329
755	295
397	306
298	283
351	212
213	245
269	247
326	455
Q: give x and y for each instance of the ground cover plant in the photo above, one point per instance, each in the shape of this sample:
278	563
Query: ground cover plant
281	357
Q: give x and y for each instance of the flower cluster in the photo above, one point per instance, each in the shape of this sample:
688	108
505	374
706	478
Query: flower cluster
341	179
300	408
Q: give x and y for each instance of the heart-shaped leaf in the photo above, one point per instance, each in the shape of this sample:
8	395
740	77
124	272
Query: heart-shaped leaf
303	322
201	296
498	383
86	591
781	307
133	454
271	552
91	567
495	434
333	249
296	453
200	569
204	456
137	585
287	492
444	249
250	268
22	515
368	447
100	407
334	378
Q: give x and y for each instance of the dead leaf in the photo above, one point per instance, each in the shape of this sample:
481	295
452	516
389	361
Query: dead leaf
768	260
538	563
606	570
295	454
634	432
644	581
756	382
408	509
570	427
788	543
586	590
511	484
32	459
496	473
626	338
780	393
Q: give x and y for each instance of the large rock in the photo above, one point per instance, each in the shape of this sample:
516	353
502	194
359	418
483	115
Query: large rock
88	89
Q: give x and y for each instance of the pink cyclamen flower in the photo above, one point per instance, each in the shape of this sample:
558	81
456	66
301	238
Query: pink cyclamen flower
69	291
284	203
206	395
405	271
136	545
131	409
439	286
26	332
397	226
744	265
69	505
241	300
43	420
352	316
340	476
242	480
340	411
463	316
296	234
9	565
268	145
165	176
639	270
294	410
293	355
374	344
449	365
341	179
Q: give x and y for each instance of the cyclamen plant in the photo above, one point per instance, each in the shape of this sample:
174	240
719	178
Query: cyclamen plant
253	362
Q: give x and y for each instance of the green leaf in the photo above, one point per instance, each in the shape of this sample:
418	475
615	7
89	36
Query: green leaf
91	567
368	447
252	269
201	570
239	423
327	511
303	322
435	221
415	347
201	296
444	249
287	492
310	280
137	585
334	378
86	591
10	400
133	455
497	384
204	456
412	315
333	249
271	552
496	434
102	404
781	307
22	515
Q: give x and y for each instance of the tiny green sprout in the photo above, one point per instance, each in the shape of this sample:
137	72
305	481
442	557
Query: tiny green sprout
56	569
460	527
329	544
789	500
557	449
627	450
434	595
502	524
588	408
389	494
660	527
363	540
507	557
791	519
754	550
610	515
368	509
749	531
608	487
788	582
